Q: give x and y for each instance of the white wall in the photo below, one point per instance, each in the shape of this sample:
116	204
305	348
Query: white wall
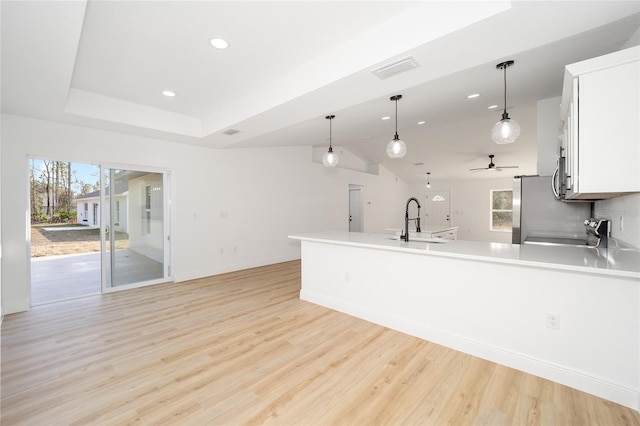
1	304
470	206
634	40
232	209
548	129
625	211
151	244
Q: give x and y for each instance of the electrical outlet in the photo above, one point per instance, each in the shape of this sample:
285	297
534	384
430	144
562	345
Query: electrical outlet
553	321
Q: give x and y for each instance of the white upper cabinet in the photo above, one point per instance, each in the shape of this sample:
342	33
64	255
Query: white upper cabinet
601	119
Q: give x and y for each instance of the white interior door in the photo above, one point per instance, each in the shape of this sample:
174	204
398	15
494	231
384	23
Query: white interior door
355	208
438	206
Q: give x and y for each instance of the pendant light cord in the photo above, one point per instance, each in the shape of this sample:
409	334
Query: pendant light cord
396	119
503	66
396	98
396	137
505	89
330	118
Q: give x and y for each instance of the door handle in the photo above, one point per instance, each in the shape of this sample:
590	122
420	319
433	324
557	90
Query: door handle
106	229
554	179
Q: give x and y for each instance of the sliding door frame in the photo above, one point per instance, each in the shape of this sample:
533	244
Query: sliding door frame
107	215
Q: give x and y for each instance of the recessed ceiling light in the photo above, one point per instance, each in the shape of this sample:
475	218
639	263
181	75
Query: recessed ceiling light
385	118
473	95
219	43
168	93
492	106
421	122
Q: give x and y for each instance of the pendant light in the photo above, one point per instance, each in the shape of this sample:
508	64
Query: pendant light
428	182
506	130
330	159
396	148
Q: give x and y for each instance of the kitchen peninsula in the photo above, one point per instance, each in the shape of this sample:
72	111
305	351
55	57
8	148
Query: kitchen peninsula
494	301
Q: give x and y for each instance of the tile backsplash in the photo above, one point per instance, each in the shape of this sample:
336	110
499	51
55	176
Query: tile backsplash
624	214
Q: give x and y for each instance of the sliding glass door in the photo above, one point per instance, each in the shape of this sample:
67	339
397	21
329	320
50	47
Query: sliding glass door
135	227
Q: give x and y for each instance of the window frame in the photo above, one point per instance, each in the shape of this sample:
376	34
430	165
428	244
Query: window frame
492	210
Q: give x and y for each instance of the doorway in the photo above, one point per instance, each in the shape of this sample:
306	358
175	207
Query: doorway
438	216
355	208
103	240
64	242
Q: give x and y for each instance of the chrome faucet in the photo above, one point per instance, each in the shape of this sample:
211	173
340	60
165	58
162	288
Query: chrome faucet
406	219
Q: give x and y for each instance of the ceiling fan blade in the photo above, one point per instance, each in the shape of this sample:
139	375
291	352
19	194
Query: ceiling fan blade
492	166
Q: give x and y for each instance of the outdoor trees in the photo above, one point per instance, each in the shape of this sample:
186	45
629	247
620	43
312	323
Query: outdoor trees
53	187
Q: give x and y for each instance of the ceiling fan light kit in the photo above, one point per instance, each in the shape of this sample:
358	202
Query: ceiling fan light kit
330	158
506	130
396	148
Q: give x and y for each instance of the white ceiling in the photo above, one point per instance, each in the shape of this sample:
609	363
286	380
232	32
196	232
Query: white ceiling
104	64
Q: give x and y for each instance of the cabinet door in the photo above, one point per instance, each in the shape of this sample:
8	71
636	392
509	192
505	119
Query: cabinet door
608	130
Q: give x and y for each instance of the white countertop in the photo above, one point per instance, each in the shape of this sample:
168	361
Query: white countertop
451	228
611	261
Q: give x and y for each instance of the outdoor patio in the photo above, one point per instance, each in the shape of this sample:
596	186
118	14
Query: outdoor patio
64	277
67	276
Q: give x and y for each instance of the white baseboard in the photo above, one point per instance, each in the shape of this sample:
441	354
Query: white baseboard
565	375
223	269
15	306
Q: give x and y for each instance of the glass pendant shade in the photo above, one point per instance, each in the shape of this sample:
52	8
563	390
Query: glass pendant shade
396	148
505	131
330	159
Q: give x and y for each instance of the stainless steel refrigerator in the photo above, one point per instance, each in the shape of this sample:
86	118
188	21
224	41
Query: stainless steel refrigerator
538	217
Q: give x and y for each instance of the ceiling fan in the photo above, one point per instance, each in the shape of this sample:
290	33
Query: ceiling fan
492	166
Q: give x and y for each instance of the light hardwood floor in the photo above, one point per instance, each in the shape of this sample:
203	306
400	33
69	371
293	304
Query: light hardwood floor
241	348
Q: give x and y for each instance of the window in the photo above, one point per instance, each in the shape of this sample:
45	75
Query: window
501	210
146	229
95	214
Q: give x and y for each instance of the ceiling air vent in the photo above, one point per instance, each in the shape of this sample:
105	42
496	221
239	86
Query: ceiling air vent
396	68
230	132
